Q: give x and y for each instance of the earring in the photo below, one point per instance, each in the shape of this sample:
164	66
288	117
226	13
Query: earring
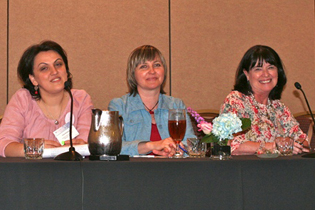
36	88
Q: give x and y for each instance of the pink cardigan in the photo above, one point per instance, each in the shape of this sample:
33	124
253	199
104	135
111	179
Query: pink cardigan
23	118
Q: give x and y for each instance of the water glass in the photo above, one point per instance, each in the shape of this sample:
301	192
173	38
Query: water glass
34	148
196	148
285	145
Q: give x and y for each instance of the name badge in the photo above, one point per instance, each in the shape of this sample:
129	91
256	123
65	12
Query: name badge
62	133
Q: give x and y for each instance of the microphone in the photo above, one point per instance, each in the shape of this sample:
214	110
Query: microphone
72	155
299	87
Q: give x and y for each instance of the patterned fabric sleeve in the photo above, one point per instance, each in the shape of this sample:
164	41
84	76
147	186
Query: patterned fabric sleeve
290	125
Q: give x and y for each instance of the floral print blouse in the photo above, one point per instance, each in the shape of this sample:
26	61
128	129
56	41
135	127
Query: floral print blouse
267	121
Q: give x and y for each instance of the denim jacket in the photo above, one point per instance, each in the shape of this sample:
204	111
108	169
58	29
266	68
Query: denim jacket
137	120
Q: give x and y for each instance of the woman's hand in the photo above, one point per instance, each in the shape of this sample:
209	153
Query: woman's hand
75	142
301	145
51	144
271	146
165	147
251	147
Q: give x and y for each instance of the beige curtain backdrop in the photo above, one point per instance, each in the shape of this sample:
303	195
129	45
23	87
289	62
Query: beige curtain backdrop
3	55
202	40
209	39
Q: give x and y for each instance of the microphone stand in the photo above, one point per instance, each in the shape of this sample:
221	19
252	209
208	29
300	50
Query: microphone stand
299	87
72	155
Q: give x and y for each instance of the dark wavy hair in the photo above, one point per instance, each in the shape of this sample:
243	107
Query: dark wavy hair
140	55
26	64
260	53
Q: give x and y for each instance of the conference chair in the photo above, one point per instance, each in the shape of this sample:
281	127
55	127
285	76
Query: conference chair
307	126
208	115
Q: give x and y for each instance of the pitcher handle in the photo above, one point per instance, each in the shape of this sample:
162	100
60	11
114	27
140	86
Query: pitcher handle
121	124
97	113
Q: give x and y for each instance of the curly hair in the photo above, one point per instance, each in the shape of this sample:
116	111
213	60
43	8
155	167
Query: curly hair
26	64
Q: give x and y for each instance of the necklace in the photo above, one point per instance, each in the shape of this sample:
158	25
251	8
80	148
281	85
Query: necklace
151	110
50	115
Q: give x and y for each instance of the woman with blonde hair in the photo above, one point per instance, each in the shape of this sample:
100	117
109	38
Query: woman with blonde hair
145	108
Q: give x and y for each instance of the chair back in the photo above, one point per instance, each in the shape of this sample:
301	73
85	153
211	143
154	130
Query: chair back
208	115
307	126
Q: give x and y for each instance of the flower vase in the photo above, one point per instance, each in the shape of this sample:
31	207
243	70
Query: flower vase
220	151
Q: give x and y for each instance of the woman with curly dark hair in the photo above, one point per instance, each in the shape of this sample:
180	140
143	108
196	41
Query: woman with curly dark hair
260	79
43	105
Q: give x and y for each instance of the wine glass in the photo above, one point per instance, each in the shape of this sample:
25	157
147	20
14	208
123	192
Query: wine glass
177	128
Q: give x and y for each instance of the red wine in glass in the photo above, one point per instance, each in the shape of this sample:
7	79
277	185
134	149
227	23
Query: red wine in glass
177	128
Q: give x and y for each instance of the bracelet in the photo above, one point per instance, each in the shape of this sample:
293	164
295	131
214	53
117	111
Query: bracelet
262	145
301	143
